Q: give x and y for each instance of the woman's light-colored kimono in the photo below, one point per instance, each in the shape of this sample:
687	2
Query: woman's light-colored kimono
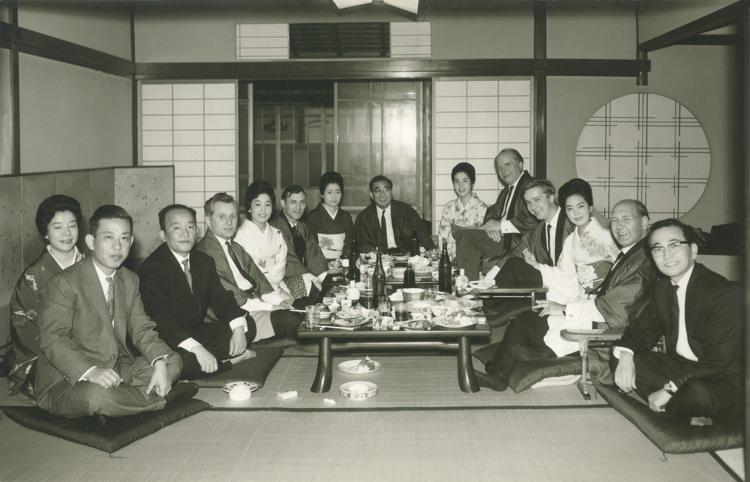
584	263
268	250
456	213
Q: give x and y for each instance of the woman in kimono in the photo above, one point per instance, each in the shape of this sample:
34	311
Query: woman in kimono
262	241
466	210
57	220
587	256
331	225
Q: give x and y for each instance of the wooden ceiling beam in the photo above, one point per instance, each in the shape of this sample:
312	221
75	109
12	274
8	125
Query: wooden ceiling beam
729	15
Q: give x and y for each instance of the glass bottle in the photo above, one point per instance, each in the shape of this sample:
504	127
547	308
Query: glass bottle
445	272
378	279
414	244
353	274
410	278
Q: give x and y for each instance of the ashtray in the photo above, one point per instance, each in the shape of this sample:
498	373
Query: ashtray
358	390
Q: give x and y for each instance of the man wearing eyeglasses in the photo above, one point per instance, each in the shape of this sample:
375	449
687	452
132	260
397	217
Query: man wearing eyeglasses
387	223
698	312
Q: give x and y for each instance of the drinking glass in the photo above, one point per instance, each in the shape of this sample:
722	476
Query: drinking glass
312	317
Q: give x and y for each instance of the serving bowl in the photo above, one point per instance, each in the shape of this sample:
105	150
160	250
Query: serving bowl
358	390
413	294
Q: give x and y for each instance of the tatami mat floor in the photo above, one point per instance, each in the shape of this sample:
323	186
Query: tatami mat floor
420	427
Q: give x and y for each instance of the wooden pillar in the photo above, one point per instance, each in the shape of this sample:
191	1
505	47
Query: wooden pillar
540	90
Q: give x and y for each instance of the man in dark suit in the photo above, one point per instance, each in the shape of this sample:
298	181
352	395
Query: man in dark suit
621	297
505	222
306	266
544	242
85	366
699	314
178	285
387	223
240	275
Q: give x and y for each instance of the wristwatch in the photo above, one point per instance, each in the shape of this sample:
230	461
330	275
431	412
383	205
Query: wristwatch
670	387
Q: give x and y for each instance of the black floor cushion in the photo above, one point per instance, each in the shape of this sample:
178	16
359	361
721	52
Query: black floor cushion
674	435
250	370
119	431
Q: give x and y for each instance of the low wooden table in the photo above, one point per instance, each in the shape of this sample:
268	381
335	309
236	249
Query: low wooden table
495	293
458	340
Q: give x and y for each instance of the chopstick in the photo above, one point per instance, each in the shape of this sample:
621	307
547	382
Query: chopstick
334	327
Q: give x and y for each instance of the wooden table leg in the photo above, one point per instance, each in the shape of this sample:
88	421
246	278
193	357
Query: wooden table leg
466	379
323	376
583	386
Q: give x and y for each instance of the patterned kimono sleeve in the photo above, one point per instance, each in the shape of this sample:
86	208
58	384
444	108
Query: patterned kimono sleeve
24	305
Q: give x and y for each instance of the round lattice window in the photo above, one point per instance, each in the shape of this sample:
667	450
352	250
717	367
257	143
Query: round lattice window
646	147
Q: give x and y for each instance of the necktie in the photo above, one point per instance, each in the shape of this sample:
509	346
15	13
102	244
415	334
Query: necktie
549	246
383	233
506	205
674	307
299	245
111	296
236	261
187	274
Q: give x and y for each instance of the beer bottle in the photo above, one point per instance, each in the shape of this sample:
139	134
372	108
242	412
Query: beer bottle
410	278
414	245
445	271
379	280
353	273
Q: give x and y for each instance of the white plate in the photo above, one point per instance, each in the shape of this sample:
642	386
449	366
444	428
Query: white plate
358	390
350	322
455	326
251	385
353	366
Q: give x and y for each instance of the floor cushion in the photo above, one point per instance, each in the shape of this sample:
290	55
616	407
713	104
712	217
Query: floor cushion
251	370
674	435
528	373
119	432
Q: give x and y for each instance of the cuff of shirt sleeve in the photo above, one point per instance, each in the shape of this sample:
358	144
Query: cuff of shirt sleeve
619	349
83	377
163	357
272	298
189	344
238	322
255	304
508	227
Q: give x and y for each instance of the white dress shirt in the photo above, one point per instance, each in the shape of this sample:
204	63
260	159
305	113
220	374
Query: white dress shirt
389	222
506	227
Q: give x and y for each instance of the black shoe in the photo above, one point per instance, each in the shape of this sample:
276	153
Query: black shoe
181	392
100	421
491	382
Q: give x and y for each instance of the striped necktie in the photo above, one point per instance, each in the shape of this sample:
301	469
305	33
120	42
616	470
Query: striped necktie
187	273
111	297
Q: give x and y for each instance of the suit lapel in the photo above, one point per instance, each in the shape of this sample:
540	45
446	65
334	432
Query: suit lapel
121	320
562	219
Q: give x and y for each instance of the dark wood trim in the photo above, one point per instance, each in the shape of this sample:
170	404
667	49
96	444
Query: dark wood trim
15	93
427	156
710	39
729	15
540	90
40	45
744	18
387	69
134	90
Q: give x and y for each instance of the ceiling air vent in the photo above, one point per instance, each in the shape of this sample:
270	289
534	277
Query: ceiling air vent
339	40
